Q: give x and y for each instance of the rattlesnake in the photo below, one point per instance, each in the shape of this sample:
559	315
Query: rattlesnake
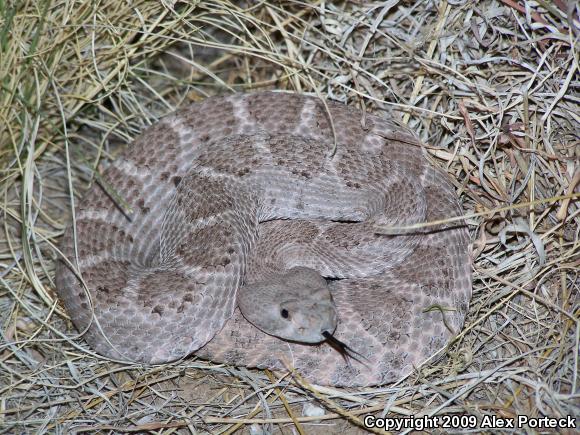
237	190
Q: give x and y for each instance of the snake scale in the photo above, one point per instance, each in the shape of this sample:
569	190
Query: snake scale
241	189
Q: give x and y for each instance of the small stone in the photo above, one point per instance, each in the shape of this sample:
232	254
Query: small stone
311	410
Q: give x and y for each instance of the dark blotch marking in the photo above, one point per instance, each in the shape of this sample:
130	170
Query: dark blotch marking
243	171
302	173
141	204
176	180
158	309
394	336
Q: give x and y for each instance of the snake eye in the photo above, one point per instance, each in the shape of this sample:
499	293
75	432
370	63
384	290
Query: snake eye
284	313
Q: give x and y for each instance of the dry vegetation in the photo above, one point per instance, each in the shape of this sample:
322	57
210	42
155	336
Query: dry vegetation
491	86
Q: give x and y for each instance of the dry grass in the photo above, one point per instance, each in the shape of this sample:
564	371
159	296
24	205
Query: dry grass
492	86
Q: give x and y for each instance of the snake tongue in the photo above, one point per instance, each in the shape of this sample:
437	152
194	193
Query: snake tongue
345	351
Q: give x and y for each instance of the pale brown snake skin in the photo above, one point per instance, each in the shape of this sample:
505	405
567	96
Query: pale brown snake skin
163	283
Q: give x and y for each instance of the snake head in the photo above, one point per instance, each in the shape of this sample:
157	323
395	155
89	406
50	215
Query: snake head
295	306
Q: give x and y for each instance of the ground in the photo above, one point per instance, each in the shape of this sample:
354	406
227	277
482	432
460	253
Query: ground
491	87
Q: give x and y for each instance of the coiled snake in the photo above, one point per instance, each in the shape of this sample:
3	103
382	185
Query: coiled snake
279	195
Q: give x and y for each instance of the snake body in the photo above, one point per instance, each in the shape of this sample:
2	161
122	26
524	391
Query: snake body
239	189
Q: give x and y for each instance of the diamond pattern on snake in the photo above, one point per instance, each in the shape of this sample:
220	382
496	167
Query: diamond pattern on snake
253	241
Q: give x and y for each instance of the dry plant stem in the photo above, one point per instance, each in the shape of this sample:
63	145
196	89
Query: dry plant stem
279	393
563	212
444	9
397	229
